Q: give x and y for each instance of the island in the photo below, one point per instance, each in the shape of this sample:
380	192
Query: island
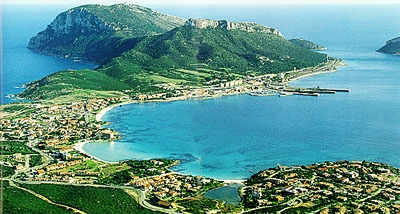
391	47
146	56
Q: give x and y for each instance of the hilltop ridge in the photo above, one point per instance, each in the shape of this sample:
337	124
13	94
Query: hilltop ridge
228	25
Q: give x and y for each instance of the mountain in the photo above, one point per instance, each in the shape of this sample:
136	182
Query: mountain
238	48
392	47
98	33
307	44
138	49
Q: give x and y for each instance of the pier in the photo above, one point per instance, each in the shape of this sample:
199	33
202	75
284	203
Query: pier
316	92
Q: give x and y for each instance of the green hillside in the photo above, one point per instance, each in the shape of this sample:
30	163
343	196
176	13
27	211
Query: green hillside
307	44
139	49
82	84
233	51
99	33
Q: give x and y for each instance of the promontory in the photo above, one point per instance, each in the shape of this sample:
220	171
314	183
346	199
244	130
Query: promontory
144	52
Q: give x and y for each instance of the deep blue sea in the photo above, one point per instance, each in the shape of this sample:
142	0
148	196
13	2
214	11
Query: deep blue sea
235	136
19	64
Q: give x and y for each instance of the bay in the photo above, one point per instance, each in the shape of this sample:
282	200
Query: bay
235	136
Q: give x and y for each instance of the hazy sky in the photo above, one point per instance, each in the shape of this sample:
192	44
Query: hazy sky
185	2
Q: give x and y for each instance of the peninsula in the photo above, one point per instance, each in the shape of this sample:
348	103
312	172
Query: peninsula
157	55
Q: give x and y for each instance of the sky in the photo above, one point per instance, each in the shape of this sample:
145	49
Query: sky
188	2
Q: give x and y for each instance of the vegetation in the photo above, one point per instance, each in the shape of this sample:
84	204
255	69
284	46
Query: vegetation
35	160
14	108
82	83
139	168
6	171
307	44
90	199
199	205
15	200
139	49
234	50
135	20
12	147
117	28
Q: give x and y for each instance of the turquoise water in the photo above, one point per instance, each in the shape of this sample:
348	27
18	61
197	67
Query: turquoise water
232	137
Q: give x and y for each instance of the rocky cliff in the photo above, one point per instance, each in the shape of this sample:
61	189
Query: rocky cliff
391	47
73	22
90	31
224	24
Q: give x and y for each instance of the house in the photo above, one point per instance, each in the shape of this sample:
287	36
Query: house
40	172
279	198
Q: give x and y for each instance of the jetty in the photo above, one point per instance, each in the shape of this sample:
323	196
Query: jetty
316	92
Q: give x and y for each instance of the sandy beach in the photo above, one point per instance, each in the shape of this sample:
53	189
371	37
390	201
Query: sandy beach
233	181
79	147
101	113
312	74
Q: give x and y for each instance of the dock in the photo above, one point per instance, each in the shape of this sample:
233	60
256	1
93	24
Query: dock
307	94
316	92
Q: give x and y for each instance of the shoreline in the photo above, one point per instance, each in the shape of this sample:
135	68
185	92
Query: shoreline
99	115
233	181
102	112
312	74
340	63
79	147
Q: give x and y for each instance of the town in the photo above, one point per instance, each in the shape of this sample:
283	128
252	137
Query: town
41	143
330	187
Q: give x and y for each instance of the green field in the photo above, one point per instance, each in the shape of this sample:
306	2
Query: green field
19	201
90	199
159	78
195	73
12	147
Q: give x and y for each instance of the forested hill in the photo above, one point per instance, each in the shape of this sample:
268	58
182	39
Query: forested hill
236	50
307	44
98	33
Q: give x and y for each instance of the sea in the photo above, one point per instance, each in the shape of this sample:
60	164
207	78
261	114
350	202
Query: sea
233	137
19	65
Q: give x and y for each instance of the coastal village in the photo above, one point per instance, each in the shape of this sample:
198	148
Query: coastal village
56	132
330	187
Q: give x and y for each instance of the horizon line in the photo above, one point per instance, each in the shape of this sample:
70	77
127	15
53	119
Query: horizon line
6	2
